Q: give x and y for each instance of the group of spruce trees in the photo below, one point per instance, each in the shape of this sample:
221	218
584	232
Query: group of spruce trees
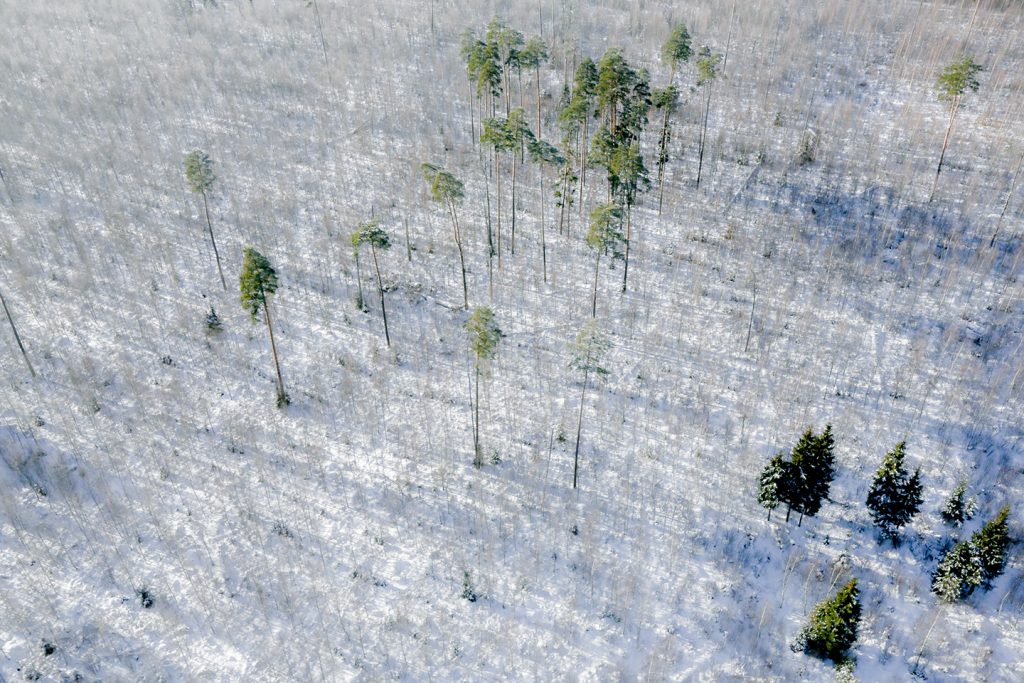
802	482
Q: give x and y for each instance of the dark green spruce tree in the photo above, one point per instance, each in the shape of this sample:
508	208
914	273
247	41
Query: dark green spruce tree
991	544
768	495
895	494
958	573
833	626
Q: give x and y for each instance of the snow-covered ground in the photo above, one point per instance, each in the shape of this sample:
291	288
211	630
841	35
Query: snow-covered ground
330	540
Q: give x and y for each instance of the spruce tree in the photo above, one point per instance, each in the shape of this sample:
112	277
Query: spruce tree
771	478
257	281
958	509
818	470
958	574
802	496
833	625
895	495
991	543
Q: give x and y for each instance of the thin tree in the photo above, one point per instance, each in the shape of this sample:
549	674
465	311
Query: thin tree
360	300
895	494
484	335
448	190
544	154
520	135
497	135
674	52
257	281
707	72
17	337
531	57
588	351
631	174
575	120
200	177
952	84
371	233
604	237
1006	204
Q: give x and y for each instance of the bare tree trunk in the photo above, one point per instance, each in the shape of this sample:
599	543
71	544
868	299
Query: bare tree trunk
17	337
514	165
750	326
462	257
1009	195
625	267
497	200
408	247
540	133
216	254
945	144
593	308
543	240
703	134
380	288
320	28
583	164
579	431
359	281
282	397
477	460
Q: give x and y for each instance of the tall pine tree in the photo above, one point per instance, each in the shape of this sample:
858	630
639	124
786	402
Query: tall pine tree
895	495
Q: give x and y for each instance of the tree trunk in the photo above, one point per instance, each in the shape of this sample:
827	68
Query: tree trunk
472	121
540	133
750	323
513	247
380	288
476	417
1009	195
579	431
17	337
216	254
359	280
543	240
703	134
583	164
789	508
320	28
625	267
593	308
408	247
462	258
497	200
945	144
662	145
282	397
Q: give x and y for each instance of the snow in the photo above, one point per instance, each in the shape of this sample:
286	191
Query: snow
328	541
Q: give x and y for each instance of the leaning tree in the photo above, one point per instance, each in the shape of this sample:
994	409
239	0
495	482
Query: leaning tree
257	281
448	190
952	84
371	233
200	177
707	72
588	350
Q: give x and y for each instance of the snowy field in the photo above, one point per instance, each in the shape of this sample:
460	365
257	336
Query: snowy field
330	540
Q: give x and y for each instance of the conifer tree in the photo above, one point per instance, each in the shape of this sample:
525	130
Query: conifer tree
802	495
957	509
958	573
952	84
371	233
818	471
447	189
531	57
771	481
257	281
484	335
604	237
544	154
991	543
574	119
674	52
200	177
497	135
588	351
833	626
520	134
895	495
707	72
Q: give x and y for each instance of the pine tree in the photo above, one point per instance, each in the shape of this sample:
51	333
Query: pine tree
371	233
958	510
991	543
544	154
707	72
833	625
448	190
588	350
200	177
895	495
604	237
257	281
954	81
771	478
674	52
958	573
484	335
